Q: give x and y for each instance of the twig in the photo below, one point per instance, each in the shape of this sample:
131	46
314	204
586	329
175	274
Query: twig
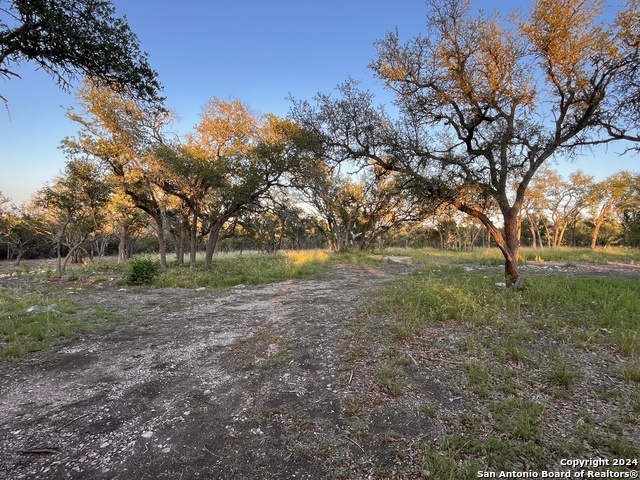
355	443
205	448
351	377
48	451
74	420
204	401
412	359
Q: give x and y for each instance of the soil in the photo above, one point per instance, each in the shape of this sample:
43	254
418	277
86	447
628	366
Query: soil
249	382
243	383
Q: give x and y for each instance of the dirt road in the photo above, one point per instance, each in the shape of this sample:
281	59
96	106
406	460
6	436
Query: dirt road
243	383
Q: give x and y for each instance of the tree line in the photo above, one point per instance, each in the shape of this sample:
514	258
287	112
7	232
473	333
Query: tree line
90	211
484	104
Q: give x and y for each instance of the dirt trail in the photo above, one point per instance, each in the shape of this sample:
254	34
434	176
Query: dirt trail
243	383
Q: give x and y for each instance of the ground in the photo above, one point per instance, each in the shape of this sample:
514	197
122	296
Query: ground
275	381
244	383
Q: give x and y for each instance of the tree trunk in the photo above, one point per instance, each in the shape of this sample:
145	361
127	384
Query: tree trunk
509	244
19	257
122	245
532	229
596	231
59	268
193	240
212	243
512	244
162	247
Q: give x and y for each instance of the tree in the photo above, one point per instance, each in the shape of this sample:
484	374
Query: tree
123	134
559	202
386	204
607	199
242	156
126	222
74	38
631	215
20	230
74	207
483	104
622	114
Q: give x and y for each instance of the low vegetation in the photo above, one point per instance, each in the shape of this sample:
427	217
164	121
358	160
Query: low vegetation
58	316
547	373
530	376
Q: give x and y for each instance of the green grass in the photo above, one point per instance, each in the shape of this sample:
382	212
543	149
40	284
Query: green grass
24	332
252	268
517	359
516	362
606	308
568	256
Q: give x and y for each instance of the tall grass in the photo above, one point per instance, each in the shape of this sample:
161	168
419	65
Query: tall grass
252	268
608	307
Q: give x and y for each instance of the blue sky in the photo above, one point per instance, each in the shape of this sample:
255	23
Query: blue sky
256	51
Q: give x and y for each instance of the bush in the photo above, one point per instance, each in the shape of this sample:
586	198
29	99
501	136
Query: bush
142	271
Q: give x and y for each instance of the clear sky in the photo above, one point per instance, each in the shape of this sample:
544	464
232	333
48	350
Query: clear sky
257	51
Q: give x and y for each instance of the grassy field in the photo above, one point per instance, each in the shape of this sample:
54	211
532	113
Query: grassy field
537	375
547	373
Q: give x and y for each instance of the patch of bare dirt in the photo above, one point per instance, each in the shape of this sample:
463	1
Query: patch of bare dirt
244	383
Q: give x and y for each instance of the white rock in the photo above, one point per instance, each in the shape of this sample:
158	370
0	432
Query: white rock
41	308
147	434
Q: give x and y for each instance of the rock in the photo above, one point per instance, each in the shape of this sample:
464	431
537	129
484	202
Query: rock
41	308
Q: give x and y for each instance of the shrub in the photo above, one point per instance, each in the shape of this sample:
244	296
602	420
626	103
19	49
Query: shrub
142	271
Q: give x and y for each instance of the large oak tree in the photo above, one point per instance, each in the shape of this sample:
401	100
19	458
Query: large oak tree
484	102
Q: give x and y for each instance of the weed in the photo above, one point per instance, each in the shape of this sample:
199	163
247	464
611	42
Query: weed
142	271
631	373
635	401
519	419
438	465
562	375
352	407
391	381
478	377
428	410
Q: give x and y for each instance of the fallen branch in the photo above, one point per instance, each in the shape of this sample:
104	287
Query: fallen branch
38	451
74	420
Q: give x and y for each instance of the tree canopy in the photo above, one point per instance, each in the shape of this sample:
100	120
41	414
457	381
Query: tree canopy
69	39
484	102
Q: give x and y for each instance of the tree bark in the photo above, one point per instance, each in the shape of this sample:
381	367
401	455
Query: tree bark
596	231
212	243
193	240
162	247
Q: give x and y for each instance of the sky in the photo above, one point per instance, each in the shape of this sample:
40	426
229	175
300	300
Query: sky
259	52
